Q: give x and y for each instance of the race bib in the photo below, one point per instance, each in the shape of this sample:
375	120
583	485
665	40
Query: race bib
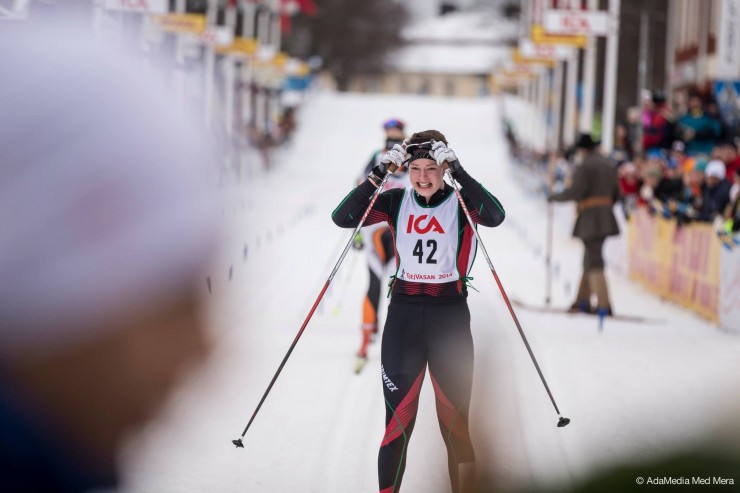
427	240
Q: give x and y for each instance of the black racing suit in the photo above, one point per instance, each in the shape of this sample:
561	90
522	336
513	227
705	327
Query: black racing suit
427	324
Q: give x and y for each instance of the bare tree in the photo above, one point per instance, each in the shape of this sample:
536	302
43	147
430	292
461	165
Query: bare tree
355	38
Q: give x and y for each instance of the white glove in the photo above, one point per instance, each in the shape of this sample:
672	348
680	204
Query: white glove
441	153
396	156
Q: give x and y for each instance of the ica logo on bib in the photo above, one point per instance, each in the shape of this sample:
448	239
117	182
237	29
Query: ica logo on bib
422	225
428	243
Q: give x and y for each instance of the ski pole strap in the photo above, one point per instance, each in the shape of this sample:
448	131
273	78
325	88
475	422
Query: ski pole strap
374	179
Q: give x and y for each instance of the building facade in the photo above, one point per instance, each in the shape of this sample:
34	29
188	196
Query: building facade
704	53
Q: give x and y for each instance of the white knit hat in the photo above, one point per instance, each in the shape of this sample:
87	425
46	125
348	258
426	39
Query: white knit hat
104	203
716	169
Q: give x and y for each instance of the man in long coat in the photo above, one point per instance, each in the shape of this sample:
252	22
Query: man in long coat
595	189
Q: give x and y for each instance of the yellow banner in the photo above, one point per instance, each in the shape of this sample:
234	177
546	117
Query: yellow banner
510	76
243	46
181	23
518	58
504	83
280	59
678	263
539	35
302	70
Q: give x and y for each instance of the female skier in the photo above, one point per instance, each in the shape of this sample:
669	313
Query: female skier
428	321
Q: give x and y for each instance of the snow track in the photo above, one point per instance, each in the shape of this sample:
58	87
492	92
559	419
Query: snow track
632	391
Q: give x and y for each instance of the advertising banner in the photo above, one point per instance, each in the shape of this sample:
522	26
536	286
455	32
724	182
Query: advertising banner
181	23
586	22
678	263
530	49
217	36
241	46
727	94
539	35
518	58
729	290
141	6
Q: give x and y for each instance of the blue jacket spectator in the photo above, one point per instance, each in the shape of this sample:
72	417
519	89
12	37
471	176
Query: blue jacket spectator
697	129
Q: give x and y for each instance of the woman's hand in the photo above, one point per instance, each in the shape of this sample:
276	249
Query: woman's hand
393	159
445	157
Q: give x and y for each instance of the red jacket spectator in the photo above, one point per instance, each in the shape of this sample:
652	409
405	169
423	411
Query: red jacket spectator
727	152
628	182
657	127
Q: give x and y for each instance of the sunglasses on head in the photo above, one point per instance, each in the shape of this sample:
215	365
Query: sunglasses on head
393	123
419	146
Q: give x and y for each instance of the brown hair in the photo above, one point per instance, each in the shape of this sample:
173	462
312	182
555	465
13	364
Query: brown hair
427	135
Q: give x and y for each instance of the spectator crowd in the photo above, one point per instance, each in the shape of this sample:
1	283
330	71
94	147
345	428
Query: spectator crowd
686	166
679	165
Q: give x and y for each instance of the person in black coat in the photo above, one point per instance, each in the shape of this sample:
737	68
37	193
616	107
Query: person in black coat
595	189
715	192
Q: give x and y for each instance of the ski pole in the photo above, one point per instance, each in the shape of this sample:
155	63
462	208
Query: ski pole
548	256
561	421
548	239
238	441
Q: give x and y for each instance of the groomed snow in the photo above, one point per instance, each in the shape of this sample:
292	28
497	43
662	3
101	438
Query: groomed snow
633	391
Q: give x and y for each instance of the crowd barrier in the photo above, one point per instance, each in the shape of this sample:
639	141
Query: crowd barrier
686	264
729	288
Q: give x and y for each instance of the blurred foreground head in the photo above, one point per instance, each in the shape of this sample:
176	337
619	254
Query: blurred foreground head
106	227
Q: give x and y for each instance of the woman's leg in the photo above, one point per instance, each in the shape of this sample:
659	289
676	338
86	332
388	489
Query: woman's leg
402	371
450	354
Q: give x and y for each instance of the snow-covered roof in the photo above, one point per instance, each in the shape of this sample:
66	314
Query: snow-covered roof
450	59
470	42
477	26
430	8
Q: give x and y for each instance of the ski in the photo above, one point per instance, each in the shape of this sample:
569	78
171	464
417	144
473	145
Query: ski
565	311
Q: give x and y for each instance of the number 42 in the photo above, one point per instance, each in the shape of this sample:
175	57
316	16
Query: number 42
419	252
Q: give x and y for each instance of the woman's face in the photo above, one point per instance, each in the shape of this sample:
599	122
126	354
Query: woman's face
394	133
426	177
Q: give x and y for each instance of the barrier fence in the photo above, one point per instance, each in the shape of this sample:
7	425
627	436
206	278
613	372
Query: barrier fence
685	264
729	288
